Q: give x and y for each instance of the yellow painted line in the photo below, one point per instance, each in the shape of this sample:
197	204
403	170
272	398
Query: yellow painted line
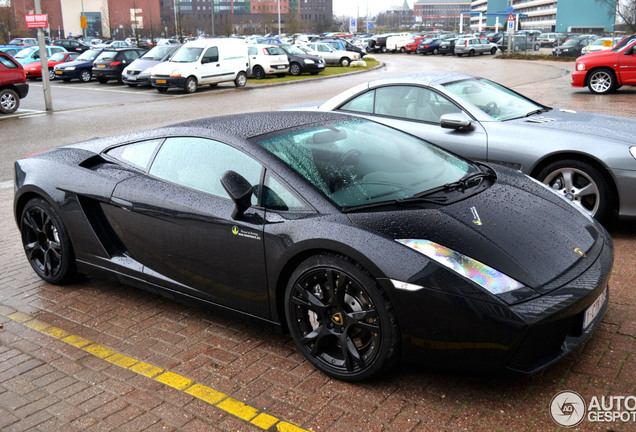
200	391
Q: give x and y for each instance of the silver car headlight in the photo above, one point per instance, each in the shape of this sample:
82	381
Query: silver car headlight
70	68
486	277
309	61
632	151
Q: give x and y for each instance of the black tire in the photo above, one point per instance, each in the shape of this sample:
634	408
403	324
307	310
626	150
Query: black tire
102	80
190	85
435	51
51	74
493	51
471	53
402	50
240	80
340	319
162	89
295	69
85	75
258	72
9	101
459	55
46	242
383	49
589	189
602	81
345	62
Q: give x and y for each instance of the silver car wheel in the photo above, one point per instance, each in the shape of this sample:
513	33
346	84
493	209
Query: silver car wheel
601	82
576	186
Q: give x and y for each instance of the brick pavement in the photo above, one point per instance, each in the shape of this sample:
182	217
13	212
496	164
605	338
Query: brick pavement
49	385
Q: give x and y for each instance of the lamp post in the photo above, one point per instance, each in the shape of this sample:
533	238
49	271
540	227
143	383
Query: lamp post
279	32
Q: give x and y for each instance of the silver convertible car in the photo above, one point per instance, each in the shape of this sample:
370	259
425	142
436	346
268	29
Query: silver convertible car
588	158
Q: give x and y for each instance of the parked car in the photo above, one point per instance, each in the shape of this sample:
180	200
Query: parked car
342	44
71	45
367	244
572	47
474	45
413	43
300	62
114	44
32	53
112	61
447	46
23	42
11	50
267	60
589	159
600	44
138	72
605	71
33	70
551	39
203	62
331	56
13	86
495	37
397	43
428	46
81	68
520	42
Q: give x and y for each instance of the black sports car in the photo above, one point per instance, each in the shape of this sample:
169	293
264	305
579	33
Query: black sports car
366	243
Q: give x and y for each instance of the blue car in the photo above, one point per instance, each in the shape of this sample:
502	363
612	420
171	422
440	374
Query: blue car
81	68
429	45
11	50
32	53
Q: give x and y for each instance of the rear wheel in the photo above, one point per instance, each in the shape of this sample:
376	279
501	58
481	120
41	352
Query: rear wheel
340	319
345	62
85	76
258	73
9	101
240	80
190	85
602	81
493	51
46	242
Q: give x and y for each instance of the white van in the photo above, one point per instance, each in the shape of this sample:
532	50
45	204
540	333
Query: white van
201	62
397	43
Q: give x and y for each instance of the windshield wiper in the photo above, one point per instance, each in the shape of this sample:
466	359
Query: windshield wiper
539	111
466	181
398	201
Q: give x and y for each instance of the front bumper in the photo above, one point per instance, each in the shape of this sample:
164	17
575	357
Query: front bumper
167	82
578	78
137	79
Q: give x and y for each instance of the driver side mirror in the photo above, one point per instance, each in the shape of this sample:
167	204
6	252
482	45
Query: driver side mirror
239	190
455	121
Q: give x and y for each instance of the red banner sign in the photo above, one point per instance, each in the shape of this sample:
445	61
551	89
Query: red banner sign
36	20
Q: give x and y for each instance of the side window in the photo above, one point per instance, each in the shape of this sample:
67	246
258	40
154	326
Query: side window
199	163
392	100
137	154
211	55
361	104
277	196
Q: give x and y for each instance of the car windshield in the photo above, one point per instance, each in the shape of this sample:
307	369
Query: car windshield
57	56
571	42
187	55
157	53
25	53
495	100
359	162
88	55
291	49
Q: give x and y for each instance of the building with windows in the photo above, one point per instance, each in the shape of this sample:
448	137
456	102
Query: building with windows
444	14
547	15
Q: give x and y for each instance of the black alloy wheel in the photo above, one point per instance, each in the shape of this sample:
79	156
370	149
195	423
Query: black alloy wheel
46	242
340	319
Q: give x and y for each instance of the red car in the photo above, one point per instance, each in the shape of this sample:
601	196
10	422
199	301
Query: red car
13	86
411	47
605	71
33	70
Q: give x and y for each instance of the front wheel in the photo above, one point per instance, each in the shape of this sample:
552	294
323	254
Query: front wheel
493	51
582	184
294	69
602	81
85	75
340	319
46	242
240	80
190	85
345	62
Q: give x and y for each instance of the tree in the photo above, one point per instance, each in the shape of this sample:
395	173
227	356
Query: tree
625	10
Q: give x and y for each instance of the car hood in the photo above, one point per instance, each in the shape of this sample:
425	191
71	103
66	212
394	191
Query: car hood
516	226
142	64
583	123
77	63
597	55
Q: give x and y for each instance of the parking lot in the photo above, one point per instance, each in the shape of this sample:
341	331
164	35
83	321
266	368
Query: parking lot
100	356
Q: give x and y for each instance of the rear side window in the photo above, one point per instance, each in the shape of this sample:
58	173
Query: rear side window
275	51
8	63
137	155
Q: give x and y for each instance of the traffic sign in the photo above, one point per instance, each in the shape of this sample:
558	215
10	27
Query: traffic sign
36	21
511	17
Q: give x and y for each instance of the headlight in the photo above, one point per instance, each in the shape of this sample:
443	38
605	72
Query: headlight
176	74
69	68
309	61
487	277
632	150
580	66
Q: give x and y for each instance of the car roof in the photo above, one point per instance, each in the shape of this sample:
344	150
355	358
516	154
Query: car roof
424	78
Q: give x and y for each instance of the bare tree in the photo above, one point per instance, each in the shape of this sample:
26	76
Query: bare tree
625	10
8	24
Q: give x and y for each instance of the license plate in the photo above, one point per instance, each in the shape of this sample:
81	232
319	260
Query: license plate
321	66
101	65
161	81
58	72
131	78
280	67
594	309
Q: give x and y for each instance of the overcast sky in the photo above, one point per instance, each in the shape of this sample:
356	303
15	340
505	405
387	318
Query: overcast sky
350	7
